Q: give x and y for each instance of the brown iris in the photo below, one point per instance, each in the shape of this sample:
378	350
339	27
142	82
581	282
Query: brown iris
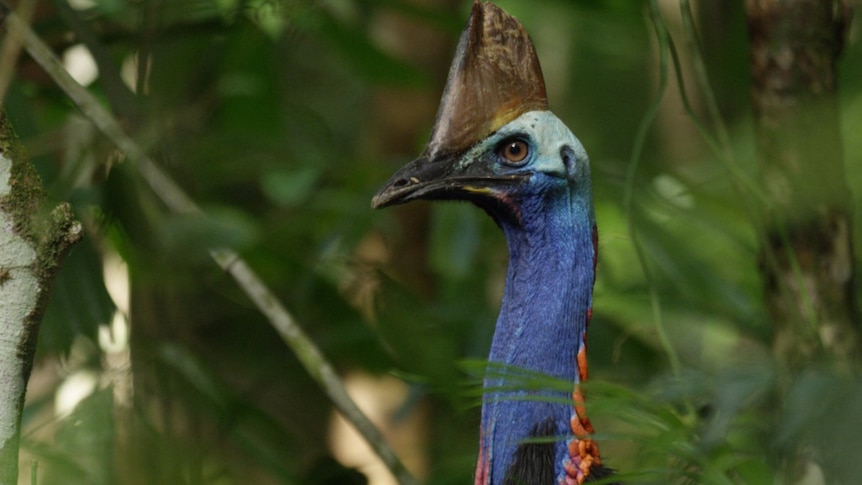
514	151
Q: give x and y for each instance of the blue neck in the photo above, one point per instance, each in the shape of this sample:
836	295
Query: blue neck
541	326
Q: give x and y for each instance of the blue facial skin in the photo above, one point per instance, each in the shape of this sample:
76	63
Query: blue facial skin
548	221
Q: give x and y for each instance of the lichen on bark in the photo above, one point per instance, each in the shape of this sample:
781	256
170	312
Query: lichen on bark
34	238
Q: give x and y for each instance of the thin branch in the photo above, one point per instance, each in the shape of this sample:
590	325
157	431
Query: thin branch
119	95
12	48
178	201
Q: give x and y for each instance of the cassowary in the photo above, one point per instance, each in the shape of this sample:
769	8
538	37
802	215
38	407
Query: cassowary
496	144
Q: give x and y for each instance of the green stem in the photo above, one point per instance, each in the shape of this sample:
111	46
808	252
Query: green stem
631	177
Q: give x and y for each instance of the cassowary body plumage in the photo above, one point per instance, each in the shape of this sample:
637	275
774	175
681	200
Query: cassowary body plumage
496	144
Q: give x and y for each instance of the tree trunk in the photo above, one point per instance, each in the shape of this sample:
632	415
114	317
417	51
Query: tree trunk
807	261
807	258
33	242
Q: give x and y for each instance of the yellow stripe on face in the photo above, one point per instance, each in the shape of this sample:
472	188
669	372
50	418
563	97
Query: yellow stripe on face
479	190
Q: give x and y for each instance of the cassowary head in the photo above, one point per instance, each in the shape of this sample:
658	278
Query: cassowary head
494	141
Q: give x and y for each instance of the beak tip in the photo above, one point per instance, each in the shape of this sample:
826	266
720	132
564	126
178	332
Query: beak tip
378	201
385	198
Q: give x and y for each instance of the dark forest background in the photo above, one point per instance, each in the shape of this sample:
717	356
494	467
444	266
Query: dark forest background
281	118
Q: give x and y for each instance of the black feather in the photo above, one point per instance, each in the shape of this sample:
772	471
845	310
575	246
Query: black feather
534	462
601	472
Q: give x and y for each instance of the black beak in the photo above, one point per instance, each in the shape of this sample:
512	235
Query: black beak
419	178
443	180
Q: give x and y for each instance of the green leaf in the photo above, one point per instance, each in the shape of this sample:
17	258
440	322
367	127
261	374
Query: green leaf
79	302
289	188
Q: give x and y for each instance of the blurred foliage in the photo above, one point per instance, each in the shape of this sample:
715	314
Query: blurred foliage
281	118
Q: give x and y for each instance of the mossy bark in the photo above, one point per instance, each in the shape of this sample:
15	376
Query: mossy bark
33	241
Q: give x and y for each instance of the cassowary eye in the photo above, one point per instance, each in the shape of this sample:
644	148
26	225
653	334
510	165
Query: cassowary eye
514	151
